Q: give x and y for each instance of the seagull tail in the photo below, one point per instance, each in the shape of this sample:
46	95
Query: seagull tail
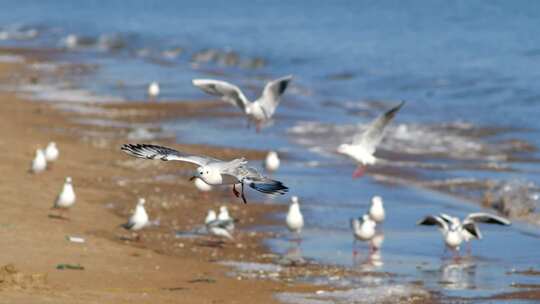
269	186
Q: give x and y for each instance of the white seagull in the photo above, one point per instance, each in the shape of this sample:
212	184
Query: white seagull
51	152
217	227
474	219
295	219
39	163
202	186
153	90
213	171
139	218
271	163
363	230
363	145
66	198
224	216
452	233
261	110
376	211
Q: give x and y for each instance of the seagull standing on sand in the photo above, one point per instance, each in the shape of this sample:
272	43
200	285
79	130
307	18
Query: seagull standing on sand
224	216
271	163
153	90
363	230
474	219
39	163
363	145
51	152
376	211
261	110
217	227
139	218
295	219
213	171
202	186
452	233
66	198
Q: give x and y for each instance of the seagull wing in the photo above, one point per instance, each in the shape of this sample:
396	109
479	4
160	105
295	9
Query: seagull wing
472	228
370	138
432	220
226	91
256	180
487	218
271	95
165	154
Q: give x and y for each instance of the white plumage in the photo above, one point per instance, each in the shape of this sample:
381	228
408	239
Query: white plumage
51	152
153	89
226	217
376	211
295	219
67	196
39	163
363	230
139	218
271	163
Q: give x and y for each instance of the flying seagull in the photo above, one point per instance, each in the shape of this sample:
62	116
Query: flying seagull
474	219
261	110
452	233
213	171
363	145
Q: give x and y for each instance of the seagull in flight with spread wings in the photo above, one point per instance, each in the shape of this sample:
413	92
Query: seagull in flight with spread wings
261	110
363	145
212	171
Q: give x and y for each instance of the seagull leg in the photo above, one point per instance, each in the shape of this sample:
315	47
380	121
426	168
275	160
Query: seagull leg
236	193
359	172
243	197
258	127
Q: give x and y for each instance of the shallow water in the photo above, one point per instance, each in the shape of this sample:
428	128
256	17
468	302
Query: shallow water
469	73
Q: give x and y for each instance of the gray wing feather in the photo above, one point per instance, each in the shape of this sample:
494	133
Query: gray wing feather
271	95
373	135
487	218
226	91
164	154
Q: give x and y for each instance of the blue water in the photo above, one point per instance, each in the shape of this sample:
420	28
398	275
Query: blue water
455	62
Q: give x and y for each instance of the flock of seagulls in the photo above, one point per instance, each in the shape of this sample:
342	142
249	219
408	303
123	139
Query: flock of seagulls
211	172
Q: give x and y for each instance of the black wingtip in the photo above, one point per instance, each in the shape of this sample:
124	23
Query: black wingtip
270	187
393	111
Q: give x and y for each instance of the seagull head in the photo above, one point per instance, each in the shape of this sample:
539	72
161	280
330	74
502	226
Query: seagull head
294	199
343	148
141	201
377	200
68	180
208	174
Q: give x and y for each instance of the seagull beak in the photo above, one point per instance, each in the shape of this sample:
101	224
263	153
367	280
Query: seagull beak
192	178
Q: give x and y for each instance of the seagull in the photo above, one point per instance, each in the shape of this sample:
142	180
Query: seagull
213	171
39	164
295	219
363	230
66	198
376	211
224	216
452	233
217	227
363	145
202	186
474	219
51	152
271	163
153	90
139	218
261	110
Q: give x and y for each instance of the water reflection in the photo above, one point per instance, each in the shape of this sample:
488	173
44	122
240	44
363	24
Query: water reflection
293	256
458	274
373	260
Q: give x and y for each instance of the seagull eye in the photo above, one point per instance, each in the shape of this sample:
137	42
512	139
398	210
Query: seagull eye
201	173
207	172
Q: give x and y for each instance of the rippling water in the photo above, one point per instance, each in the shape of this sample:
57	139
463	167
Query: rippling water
469	71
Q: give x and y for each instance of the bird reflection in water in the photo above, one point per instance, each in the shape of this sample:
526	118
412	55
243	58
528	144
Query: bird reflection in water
458	274
374	260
